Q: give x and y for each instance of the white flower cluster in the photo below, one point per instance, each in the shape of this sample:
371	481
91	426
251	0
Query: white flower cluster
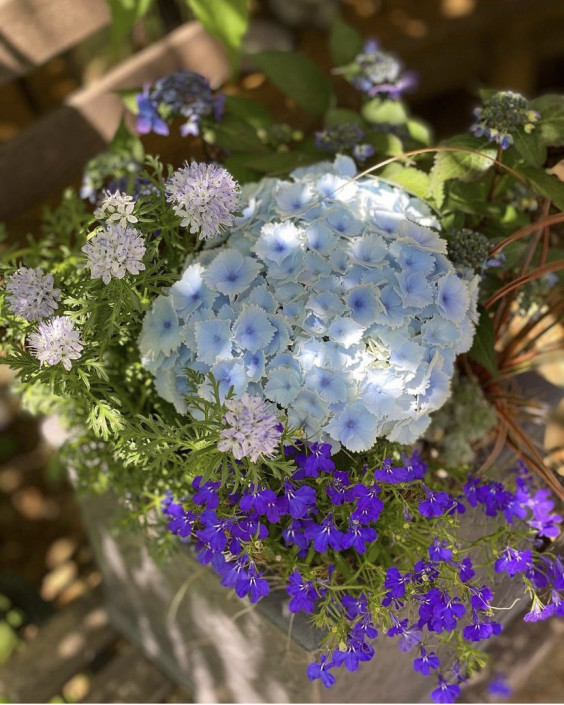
332	298
31	294
251	429
205	196
114	251
116	207
56	341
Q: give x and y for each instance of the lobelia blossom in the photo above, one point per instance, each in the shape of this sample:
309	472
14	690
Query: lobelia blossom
56	340
113	252
502	116
205	196
116	207
31	294
251	429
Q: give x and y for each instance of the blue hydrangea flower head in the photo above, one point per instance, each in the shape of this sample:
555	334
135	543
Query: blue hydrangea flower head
333	299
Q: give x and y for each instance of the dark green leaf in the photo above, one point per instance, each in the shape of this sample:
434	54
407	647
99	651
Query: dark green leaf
334	116
282	162
234	134
238	166
344	42
551	124
482	350
226	20
249	110
547	184
530	147
297	77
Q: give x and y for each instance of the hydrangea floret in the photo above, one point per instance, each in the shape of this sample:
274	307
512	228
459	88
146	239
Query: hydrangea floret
332	298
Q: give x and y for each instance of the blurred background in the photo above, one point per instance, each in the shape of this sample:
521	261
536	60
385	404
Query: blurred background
60	65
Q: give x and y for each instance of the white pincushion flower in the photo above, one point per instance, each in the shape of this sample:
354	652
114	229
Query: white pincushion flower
205	196
31	294
116	207
115	251
251	429
56	341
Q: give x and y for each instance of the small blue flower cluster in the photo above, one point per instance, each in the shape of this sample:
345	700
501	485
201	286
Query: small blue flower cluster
344	137
322	508
183	94
332	298
377	73
502	116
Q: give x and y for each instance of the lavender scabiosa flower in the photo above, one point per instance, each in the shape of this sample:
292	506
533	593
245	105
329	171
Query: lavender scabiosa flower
375	72
30	294
56	341
251	430
116	207
205	196
115	251
502	115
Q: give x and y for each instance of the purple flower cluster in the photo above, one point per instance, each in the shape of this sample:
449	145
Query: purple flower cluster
329	511
344	137
183	94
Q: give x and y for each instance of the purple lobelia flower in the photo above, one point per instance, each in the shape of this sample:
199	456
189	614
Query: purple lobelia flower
300	500
439	551
148	119
303	593
445	692
426	662
325	535
436	504
513	561
321	670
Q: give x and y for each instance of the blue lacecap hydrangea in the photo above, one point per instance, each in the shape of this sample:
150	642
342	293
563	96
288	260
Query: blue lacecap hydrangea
332	298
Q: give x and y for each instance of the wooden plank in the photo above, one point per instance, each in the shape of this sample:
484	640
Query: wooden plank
129	678
52	152
34	31
65	645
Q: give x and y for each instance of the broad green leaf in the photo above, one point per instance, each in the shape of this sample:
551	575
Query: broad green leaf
551	123
482	350
237	164
125	13
297	77
226	20
530	147
253	113
410	178
344	42
463	165
334	116
419	131
234	134
385	143
390	112
546	184
282	162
